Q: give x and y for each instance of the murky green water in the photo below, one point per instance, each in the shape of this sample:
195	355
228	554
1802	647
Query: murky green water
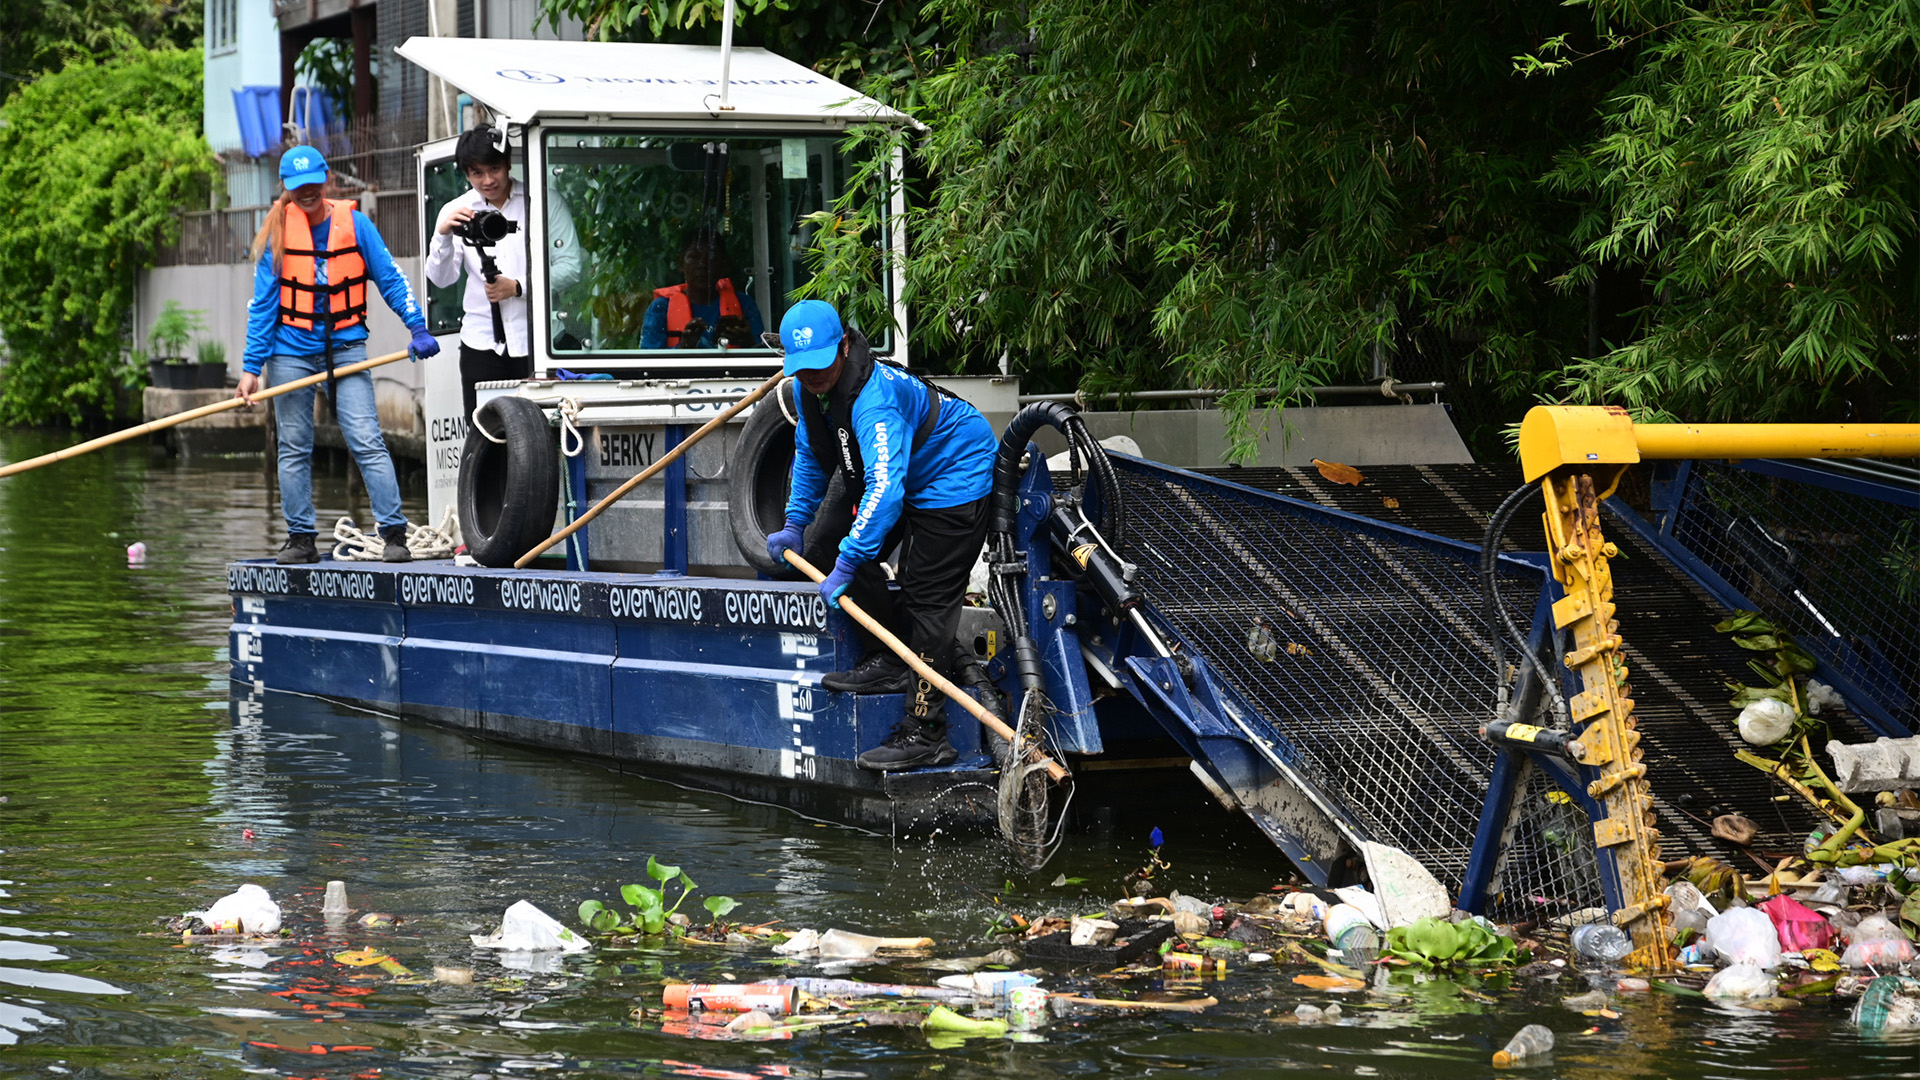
137	788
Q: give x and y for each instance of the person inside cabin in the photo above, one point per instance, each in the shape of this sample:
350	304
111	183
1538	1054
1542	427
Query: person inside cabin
485	158
313	260
922	463
705	310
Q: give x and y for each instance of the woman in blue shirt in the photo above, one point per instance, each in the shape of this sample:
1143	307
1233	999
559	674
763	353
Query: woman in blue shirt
313	260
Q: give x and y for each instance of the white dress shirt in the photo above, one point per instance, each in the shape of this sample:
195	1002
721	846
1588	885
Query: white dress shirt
447	255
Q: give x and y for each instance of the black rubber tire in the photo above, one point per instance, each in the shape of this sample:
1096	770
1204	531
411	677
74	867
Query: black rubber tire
508	491
758	477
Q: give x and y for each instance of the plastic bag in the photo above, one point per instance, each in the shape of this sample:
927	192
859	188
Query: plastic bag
1874	927
1741	982
246	910
525	928
1745	936
1766	721
1878	953
1798	927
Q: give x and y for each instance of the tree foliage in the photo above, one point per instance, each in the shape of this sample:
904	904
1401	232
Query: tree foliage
39	36
1758	169
96	161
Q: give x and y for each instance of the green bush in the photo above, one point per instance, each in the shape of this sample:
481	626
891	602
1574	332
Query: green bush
97	161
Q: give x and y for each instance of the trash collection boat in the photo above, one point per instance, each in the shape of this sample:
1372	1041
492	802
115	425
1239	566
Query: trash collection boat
1315	653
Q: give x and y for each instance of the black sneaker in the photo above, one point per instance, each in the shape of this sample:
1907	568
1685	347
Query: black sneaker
298	549
880	673
396	549
910	745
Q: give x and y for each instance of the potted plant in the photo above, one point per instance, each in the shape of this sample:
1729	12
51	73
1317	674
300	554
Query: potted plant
168	338
212	373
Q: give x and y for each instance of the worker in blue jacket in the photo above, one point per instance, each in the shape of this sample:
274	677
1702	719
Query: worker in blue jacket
921	463
314	259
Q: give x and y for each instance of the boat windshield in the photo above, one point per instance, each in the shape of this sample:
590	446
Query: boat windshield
665	246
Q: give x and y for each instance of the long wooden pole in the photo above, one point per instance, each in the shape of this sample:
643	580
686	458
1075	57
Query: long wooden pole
647	473
920	668
192	414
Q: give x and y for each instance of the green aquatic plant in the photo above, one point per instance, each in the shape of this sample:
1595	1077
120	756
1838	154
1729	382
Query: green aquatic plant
650	913
1432	943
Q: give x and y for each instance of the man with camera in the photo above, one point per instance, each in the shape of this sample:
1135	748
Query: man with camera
484	232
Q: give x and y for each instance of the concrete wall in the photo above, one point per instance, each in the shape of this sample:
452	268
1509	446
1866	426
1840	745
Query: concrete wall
221	294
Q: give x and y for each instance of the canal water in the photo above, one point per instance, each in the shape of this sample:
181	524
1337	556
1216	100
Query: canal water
139	784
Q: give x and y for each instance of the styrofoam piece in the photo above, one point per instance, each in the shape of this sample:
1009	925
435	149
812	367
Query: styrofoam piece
525	928
246	910
1881	765
1406	890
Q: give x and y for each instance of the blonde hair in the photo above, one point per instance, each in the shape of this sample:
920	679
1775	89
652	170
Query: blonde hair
273	232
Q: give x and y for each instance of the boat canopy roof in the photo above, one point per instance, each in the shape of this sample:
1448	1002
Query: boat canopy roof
523	81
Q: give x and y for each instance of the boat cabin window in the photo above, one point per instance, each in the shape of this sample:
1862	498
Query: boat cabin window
688	246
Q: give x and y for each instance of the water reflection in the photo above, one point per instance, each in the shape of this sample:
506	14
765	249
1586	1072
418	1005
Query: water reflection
137	787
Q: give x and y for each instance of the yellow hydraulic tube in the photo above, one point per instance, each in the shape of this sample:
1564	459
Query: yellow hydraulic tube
1552	436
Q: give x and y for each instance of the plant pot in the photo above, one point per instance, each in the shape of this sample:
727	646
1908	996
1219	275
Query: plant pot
181	374
157	374
210	375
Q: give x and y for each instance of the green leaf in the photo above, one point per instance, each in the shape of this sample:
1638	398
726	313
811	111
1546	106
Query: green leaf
641	897
719	906
1794	660
1744	622
1757	642
660	872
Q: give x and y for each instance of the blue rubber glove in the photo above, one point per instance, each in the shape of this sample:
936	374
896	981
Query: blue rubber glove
836	583
779	542
423	344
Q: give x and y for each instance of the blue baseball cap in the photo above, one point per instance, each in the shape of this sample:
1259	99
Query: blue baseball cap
301	166
810	332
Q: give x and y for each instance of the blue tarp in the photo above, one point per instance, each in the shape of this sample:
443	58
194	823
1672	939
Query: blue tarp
314	111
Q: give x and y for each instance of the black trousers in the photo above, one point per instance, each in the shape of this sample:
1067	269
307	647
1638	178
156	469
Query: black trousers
485	365
937	551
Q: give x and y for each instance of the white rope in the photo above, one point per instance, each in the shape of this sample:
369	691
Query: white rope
780	395
569	411
475	420
352	545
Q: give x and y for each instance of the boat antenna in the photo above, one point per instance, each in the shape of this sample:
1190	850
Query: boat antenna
726	55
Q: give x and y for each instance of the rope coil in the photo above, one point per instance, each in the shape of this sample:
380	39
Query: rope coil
569	415
423	542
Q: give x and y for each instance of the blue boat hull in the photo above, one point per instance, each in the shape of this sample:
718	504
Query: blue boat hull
708	681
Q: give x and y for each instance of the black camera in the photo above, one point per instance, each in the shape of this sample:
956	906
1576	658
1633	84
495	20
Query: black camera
485	228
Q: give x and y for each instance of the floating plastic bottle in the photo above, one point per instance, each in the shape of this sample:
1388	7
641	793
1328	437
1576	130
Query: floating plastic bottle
1531	1041
770	998
1601	943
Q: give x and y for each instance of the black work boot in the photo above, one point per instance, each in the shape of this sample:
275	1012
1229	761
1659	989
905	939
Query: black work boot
298	549
880	672
396	549
919	739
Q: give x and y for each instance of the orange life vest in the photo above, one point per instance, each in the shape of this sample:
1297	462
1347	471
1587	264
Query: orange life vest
680	309
346	271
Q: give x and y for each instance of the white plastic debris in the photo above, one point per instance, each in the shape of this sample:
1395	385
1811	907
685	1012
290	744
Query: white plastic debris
1821	697
799	944
136	553
336	901
525	928
1766	721
1407	891
1367	902
1745	936
1741	982
246	910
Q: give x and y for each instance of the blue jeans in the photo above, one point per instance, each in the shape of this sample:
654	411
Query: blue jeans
359	423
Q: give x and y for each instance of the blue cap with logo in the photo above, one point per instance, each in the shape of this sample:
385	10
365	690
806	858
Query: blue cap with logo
301	166
810	332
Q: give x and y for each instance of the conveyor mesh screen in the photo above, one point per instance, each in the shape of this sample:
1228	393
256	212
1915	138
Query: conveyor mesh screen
1838	570
1364	647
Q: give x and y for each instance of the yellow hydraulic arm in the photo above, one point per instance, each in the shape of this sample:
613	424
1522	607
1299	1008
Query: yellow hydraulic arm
1578	455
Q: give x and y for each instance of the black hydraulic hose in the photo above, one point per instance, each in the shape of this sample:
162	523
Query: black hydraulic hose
1500	622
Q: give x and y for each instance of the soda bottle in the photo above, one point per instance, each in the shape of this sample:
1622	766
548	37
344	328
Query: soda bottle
1531	1041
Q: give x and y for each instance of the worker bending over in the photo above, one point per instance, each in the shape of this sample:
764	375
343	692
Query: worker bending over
921	462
